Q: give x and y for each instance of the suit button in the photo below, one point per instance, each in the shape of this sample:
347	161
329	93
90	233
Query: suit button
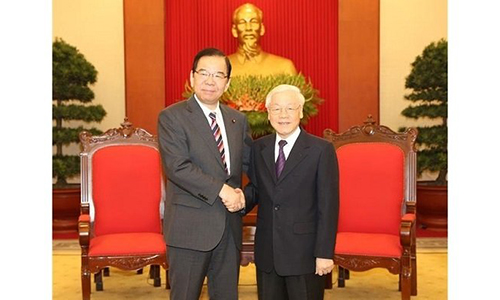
277	207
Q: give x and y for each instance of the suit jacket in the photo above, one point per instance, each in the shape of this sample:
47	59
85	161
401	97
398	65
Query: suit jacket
297	213
195	217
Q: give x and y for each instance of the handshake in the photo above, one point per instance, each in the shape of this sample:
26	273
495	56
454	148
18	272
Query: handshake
233	199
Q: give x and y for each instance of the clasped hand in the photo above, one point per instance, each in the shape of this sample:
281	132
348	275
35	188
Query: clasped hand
233	199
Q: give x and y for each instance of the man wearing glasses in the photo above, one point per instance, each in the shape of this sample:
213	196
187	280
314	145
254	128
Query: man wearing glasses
204	146
294	180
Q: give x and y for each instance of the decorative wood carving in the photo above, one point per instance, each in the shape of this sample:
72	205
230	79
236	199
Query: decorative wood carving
126	262
364	263
126	133
369	128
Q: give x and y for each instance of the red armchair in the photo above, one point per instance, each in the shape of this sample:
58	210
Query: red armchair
377	185
122	186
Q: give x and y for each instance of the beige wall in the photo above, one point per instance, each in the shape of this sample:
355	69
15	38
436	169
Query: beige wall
406	28
95	27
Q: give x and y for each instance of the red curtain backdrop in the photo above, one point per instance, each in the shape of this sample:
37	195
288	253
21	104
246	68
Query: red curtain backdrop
305	31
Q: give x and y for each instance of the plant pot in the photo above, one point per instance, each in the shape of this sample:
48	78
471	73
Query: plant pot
432	205
65	208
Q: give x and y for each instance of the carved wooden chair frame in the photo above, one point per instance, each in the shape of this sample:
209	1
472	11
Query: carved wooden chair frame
125	135
406	265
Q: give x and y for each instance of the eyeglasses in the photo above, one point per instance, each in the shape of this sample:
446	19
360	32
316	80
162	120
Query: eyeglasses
216	76
276	110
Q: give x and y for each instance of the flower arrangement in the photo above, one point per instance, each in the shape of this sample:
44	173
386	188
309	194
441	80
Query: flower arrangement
248	95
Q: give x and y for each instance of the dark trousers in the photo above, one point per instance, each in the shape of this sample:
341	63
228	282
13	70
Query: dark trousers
271	286
188	268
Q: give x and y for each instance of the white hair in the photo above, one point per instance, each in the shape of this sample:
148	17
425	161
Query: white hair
283	88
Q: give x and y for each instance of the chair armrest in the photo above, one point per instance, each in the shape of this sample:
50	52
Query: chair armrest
409	218
84	230
408	229
411	207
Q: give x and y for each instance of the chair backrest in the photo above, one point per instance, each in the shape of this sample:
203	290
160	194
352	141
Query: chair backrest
122	181
377	177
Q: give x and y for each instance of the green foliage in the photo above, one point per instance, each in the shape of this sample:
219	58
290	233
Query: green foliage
428	81
72	76
78	112
66	136
434	136
65	164
71	73
431	111
248	95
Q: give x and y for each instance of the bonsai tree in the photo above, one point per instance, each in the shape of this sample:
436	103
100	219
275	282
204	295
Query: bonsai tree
71	76
428	81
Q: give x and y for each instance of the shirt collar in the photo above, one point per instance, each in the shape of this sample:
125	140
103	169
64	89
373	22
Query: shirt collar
290	140
206	110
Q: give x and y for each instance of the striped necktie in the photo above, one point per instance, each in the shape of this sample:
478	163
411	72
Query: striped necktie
280	162
218	139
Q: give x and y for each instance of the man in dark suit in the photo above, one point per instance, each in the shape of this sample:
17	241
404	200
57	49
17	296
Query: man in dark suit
294	178
205	147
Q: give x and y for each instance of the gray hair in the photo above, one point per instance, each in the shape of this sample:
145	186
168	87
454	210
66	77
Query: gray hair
283	88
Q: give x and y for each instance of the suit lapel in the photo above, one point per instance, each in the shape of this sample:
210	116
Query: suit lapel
198	119
231	133
267	153
298	153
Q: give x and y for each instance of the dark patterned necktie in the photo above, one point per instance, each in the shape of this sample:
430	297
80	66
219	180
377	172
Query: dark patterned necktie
218	139
280	163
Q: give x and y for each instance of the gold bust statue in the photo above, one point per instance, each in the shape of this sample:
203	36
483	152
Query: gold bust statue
249	59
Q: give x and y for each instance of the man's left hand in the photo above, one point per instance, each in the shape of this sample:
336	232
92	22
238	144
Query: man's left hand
323	266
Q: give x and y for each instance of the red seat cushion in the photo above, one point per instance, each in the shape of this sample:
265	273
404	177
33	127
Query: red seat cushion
127	244
366	244
371	188
126	189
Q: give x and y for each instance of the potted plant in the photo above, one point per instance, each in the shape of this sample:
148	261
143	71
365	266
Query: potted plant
71	76
428	81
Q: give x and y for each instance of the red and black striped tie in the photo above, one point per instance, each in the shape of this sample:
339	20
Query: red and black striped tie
218	139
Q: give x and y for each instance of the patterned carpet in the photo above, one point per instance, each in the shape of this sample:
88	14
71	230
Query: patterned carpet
376	284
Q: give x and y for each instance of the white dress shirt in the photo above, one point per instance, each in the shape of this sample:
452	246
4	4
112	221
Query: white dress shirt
220	122
290	140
